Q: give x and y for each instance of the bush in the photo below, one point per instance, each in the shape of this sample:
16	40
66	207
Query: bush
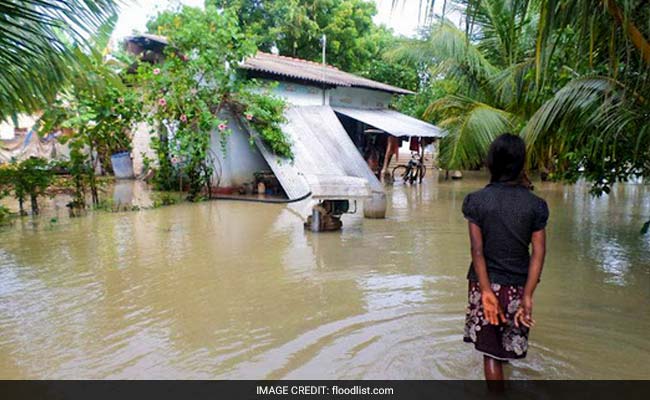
28	179
5	215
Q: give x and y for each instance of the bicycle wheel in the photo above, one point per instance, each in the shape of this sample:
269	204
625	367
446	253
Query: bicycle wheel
400	171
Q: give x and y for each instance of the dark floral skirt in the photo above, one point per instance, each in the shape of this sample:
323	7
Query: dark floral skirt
504	341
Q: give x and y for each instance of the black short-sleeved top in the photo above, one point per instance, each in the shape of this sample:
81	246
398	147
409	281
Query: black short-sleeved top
507	215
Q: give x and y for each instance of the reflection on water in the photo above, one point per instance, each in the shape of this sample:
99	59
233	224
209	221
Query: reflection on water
239	290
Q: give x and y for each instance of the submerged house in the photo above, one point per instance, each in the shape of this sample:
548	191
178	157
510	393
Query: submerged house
330	115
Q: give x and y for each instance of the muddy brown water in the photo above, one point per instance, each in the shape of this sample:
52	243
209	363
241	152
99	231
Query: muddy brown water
229	289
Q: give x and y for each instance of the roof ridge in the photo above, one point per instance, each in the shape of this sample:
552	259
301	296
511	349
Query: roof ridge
301	60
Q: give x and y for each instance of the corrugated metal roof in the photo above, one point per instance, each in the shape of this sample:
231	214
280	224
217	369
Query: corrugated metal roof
312	71
392	122
326	162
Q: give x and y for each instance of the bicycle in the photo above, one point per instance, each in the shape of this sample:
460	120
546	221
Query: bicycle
413	170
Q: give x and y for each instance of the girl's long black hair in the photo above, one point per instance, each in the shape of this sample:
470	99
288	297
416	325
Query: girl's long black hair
506	159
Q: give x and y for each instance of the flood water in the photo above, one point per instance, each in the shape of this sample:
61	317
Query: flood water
229	289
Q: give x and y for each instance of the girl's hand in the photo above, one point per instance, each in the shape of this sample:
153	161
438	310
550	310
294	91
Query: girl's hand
491	308
524	314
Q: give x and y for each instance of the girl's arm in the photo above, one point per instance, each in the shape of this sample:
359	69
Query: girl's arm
525	313
491	307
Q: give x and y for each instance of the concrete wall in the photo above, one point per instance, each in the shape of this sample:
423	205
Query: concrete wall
241	159
301	95
304	95
359	98
234	168
141	143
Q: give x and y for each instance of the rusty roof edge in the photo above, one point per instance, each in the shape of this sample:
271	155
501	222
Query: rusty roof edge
390	88
352	80
290	75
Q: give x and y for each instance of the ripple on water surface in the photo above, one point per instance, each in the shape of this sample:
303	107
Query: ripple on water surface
239	290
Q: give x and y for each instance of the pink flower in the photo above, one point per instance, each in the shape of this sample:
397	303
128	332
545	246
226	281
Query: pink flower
162	102
183	118
249	117
120	100
193	91
222	127
156	71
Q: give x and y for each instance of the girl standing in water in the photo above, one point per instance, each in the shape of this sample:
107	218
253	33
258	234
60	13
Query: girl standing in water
504	219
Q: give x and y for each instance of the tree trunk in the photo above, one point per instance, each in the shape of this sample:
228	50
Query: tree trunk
93	189
91	177
34	201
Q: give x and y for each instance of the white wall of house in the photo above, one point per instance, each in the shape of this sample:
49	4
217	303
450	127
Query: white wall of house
232	169
241	159
359	98
304	95
141	144
301	95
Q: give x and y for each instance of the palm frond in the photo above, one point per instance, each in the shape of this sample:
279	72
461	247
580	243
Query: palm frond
498	25
596	115
448	52
36	42
571	103
513	89
450	43
471	127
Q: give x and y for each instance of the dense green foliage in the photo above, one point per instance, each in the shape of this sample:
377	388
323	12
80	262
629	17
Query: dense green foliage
26	180
400	73
295	28
101	116
593	122
5	215
98	110
49	63
190	92
265	113
568	75
82	170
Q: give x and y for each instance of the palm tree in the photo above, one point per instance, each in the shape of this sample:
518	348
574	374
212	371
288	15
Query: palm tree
595	125
37	41
570	75
490	61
